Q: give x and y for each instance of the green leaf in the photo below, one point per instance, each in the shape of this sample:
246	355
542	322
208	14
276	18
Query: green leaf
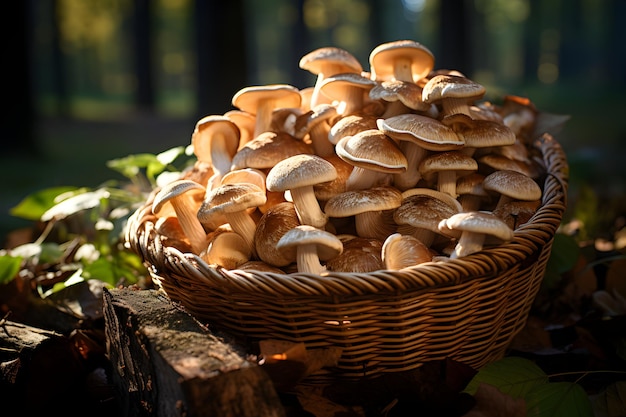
558	399
102	269
9	267
512	375
75	203
46	253
33	206
563	257
169	156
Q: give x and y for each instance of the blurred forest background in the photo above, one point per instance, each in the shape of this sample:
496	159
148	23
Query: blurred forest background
100	79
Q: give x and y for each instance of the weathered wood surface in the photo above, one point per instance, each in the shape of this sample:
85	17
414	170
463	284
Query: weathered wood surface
166	363
37	367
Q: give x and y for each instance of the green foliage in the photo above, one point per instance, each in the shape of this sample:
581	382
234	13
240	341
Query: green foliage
83	237
522	378
564	255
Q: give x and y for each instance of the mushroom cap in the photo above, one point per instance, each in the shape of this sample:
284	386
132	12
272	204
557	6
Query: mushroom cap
471	184
306	121
497	162
350	125
318	60
512	184
515	213
326	190
484	133
483	222
229	198
281	95
359	255
402	251
267	149
408	93
245	122
300	171
175	189
227	249
278	219
353	202
425	131
451	86
338	86
249	175
372	149
425	209
383	58
214	127
327	244
447	161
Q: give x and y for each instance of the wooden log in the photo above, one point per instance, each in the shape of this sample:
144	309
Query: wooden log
37	367
166	363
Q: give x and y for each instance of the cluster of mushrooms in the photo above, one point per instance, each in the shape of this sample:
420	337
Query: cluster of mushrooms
364	170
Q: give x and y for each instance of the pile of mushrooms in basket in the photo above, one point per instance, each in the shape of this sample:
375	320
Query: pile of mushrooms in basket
373	168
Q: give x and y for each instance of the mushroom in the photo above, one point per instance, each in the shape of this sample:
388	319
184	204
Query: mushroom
453	92
233	201
262	100
421	211
403	60
180	195
326	190
298	174
416	136
326	62
270	228
245	122
401	97
447	166
215	140
372	209
316	124
348	90
310	246
267	149
350	125
517	213
470	191
402	251
511	185
360	255
226	249
472	228
375	157
479	134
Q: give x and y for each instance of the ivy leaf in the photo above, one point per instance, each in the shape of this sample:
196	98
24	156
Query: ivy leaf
511	375
558	399
33	206
9	267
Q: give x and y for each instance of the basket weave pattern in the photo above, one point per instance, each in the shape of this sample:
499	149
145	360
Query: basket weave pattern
467	309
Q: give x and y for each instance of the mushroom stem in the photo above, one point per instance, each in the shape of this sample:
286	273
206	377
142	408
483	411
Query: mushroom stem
446	182
402	70
244	225
308	260
307	207
191	225
263	119
414	155
453	105
468	243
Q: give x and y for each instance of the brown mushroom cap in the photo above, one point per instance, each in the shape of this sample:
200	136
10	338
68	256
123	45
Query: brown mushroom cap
310	245
270	228
180	194
404	60
402	251
359	255
262	100
425	131
453	92
226	249
349	90
215	140
233	201
447	166
350	125
267	149
474	227
368	206
512	185
298	174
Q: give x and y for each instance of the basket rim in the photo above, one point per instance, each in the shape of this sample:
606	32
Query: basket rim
487	264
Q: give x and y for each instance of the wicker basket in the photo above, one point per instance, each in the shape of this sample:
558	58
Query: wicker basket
467	309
